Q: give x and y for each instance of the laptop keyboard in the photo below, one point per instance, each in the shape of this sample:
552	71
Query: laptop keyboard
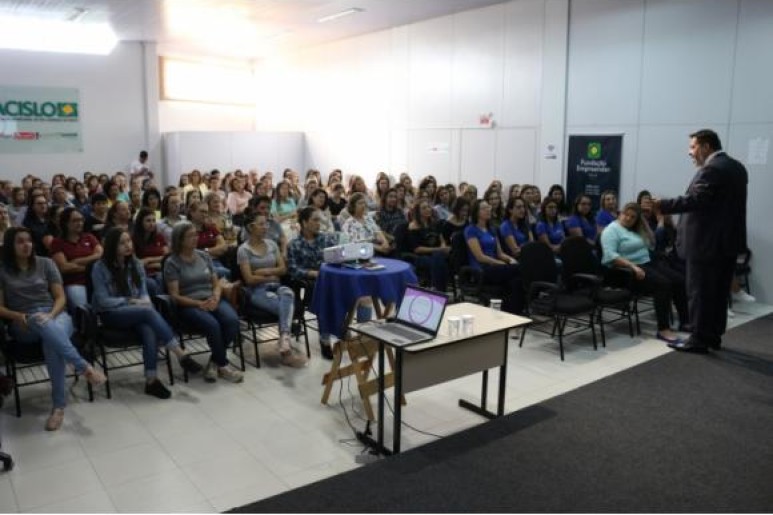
399	331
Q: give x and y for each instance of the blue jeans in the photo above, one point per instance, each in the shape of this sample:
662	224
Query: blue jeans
276	299
220	327
58	350
221	270
153	284
149	326
437	264
76	296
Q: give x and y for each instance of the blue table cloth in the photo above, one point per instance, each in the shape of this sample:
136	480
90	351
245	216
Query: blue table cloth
338	288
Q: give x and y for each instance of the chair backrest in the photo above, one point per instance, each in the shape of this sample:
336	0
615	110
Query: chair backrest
578	258
537	263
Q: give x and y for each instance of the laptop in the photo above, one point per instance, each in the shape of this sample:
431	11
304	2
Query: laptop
418	319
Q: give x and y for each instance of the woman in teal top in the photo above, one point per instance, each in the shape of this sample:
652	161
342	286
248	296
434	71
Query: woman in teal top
625	244
283	207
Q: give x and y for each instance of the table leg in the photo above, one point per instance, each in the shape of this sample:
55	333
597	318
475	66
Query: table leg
398	375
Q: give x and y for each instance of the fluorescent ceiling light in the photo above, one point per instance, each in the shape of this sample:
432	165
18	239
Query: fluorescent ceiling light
25	33
348	12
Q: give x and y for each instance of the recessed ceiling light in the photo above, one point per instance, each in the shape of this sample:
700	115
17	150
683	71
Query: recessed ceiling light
348	12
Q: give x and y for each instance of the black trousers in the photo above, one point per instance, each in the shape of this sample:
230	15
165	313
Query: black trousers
666	285
708	284
509	278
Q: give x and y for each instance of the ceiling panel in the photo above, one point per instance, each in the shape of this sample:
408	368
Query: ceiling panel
239	29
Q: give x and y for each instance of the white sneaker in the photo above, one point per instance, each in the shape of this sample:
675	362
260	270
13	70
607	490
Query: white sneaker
742	296
730	313
210	372
230	374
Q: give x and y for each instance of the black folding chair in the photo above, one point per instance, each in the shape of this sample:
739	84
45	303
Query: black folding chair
549	303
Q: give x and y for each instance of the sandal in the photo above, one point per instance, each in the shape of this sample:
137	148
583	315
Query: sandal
55	419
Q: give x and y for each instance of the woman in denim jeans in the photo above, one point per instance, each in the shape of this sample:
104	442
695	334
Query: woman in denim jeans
32	298
262	265
192	283
121	298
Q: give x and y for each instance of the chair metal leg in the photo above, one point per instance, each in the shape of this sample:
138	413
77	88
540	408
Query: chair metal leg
560	335
255	344
601	325
169	367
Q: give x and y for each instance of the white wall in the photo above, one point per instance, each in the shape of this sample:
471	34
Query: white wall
112	108
228	151
409	99
658	70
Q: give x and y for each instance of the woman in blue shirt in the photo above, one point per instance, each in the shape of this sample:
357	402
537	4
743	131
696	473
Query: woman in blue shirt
581	222
486	254
549	229
514	230
625	243
607	210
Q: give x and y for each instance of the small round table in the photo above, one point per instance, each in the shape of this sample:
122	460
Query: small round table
338	287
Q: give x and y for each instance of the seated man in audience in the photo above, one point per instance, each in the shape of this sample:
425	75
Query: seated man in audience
304	258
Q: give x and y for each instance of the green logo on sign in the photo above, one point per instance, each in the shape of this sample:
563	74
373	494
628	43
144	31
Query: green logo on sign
594	150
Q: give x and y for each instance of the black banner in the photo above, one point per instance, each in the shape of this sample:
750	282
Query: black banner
593	167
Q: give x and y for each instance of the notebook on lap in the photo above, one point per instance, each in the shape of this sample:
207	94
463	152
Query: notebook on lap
418	319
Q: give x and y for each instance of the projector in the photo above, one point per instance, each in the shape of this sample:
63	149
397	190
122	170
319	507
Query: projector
348	252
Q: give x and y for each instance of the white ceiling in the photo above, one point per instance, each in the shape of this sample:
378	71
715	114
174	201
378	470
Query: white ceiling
239	29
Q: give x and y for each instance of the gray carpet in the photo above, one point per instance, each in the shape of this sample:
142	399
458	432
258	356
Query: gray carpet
681	433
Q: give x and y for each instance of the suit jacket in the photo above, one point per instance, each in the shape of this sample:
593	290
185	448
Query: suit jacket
713	223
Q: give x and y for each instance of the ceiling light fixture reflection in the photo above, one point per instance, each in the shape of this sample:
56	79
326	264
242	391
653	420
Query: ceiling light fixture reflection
24	33
348	12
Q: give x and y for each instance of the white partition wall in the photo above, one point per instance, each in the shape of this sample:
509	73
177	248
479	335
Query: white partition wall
227	151
657	70
410	98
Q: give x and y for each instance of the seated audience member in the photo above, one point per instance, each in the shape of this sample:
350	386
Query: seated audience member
209	240
530	195
410	191
514	192
625	245
556	192
485	254
96	220
310	186
494	198
5	221
335	176
192	282
220	219
18	206
581	223
135	200
607	210
150	247
357	185
36	220
443	203
238	199
283	206
360	227
151	199
261	205
390	216
337	202
170	216
549	229
122	301
662	231
72	252
383	185
425	240
460	217
195	183
428	188
59	197
262	267
318	200
32	300
192	196
80	199
304	258
401	202
471	194
514	230
119	215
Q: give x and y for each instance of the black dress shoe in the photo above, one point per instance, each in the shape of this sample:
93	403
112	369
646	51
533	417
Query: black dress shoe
689	346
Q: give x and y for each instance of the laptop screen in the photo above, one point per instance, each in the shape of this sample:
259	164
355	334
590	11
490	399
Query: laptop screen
422	308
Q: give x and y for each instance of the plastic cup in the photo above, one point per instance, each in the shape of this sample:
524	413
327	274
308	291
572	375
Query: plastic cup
495	304
454	326
468	324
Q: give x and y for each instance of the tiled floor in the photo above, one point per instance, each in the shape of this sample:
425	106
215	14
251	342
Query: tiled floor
212	447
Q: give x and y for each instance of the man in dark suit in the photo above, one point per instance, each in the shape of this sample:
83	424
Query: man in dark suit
710	234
